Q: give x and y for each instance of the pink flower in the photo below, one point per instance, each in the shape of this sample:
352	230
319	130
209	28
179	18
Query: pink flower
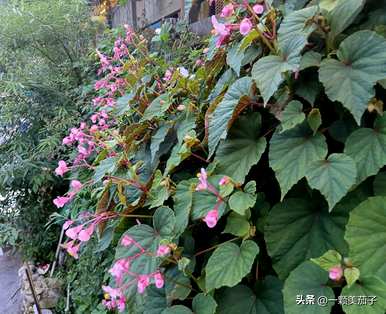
258	8
73	249
143	282
203	180
211	218
245	26
168	75
159	280
224	180
60	201
119	269
73	232
127	241
62	168
67	140
228	10
94	129
113	293
121	304
85	234
221	30
163	250
67	224
76	185
199	62
335	273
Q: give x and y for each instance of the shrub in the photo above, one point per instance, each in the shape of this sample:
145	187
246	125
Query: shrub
247	180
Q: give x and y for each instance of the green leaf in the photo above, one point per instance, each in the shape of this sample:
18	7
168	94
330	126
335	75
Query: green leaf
314	119
297	25
366	236
149	239
177	285
226	79
368	148
157	107
292	115
177	309
307	279
219	123
299	229
292	154
310	59
361	63
268	72
123	103
241	299
242	149
235	56
106	166
237	225
158	138
379	184
155	300
332	177
241	201
183	200
236	260
248	39
343	14
328	260
328	4
366	289
204	304
351	274
159	192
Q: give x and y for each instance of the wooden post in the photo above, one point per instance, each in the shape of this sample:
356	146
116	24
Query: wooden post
134	13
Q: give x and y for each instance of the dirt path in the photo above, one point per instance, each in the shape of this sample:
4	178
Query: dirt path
9	285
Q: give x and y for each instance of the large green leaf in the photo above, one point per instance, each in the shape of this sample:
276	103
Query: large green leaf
204	304
369	288
158	138
332	177
240	299
149	239
361	63
237	261
308	279
368	148
343	14
293	152
268	72
242	149
299	229
237	225
297	24
366	236
183	200
219	123
292	115
157	107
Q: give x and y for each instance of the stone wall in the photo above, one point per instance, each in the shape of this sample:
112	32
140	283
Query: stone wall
48	290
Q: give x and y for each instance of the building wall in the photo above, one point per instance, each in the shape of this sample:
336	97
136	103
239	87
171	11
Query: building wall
147	12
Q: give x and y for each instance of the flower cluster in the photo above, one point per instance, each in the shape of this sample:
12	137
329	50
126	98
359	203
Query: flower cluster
224	30
212	216
121	268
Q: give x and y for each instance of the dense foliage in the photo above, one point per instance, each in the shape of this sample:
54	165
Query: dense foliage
245	177
44	73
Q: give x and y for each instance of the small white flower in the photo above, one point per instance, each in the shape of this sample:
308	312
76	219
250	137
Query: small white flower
158	31
183	71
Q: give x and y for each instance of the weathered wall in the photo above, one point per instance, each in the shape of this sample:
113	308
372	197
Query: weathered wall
147	12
